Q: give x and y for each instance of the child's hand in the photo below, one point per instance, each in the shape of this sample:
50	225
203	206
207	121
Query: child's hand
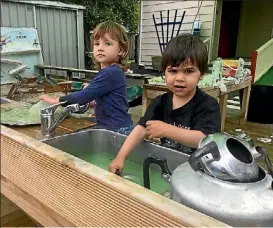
116	165
156	129
92	103
84	85
49	100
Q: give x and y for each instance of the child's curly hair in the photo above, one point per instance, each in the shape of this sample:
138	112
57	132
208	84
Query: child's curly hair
116	32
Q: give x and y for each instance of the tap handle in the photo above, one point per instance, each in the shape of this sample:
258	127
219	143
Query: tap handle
52	108
83	108
77	108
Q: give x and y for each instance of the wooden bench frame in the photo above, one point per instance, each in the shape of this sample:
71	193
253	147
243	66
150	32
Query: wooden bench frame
150	91
41	70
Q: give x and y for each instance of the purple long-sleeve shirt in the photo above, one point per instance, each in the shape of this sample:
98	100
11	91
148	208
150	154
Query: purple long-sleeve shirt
108	89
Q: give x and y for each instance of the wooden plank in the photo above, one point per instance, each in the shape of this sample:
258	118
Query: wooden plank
20	52
151	91
235	87
156	87
70	70
215	92
13	90
59	87
246	86
151	94
245	104
253	64
31	205
223	109
39	66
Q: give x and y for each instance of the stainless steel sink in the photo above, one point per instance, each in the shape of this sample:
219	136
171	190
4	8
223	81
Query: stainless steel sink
101	140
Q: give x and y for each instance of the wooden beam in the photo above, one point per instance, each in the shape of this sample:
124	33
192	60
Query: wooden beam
41	68
68	69
253	64
223	109
42	213
245	104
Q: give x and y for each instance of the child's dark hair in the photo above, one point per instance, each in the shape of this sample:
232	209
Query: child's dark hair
116	32
184	48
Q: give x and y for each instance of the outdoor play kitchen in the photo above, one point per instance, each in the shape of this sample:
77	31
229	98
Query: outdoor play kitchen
54	159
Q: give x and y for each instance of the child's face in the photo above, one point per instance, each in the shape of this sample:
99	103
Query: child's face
182	80
107	51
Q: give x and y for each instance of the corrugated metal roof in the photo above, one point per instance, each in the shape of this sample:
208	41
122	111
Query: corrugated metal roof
50	3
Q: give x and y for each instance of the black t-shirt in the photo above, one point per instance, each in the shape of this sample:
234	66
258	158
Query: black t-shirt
201	113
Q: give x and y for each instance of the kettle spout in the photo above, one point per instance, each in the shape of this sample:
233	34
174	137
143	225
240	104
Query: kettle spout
250	143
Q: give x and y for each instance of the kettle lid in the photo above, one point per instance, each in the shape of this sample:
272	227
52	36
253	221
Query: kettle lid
227	159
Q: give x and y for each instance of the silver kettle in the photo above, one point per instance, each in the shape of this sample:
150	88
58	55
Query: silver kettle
221	156
236	199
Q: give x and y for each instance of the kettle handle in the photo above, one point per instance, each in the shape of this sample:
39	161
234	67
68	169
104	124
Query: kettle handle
267	161
210	148
162	162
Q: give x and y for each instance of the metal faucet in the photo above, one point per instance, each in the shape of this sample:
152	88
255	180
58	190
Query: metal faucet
48	124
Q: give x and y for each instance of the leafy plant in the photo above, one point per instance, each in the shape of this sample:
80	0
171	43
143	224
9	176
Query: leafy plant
125	12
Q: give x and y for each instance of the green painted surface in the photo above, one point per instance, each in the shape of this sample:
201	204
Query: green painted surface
133	92
132	171
266	79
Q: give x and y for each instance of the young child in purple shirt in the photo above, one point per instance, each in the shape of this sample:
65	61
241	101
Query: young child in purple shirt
108	88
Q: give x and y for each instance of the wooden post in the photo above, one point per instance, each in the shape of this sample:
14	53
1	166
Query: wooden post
69	75
245	103
223	109
42	72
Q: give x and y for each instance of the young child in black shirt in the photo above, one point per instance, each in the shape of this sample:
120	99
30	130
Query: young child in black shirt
184	115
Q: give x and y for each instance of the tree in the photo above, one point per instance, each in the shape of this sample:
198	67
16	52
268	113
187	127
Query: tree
125	12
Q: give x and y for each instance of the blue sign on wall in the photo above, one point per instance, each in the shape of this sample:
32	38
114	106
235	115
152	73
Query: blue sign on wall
19	47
